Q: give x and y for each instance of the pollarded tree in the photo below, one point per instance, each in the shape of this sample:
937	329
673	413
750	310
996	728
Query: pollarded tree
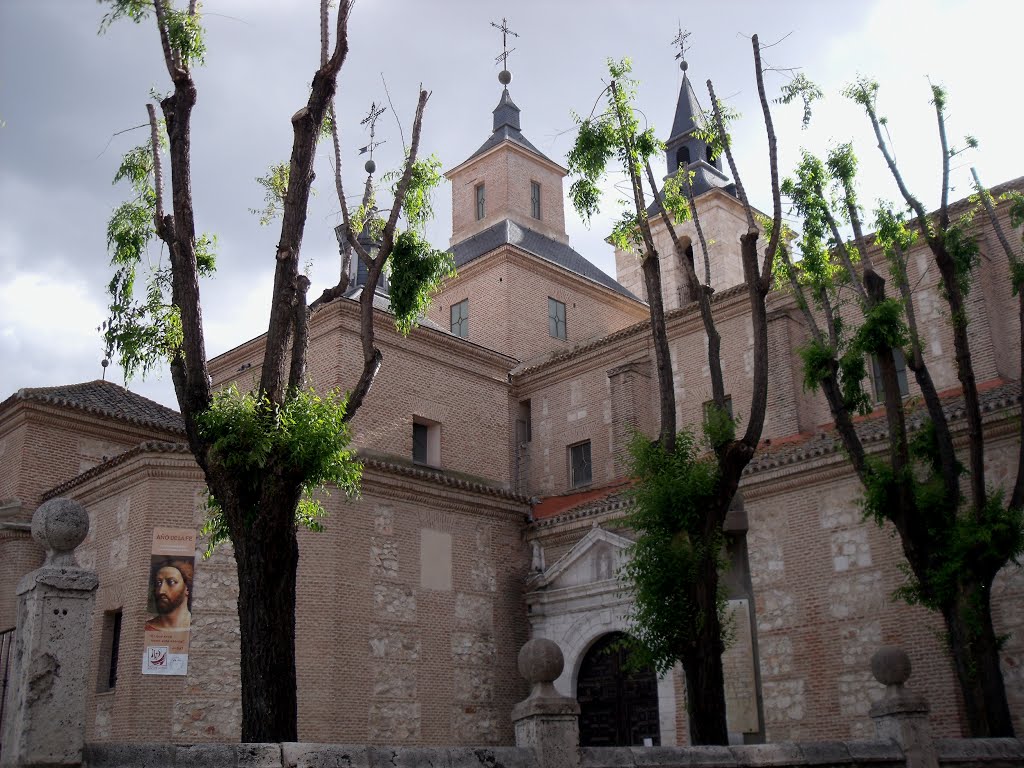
955	539
681	496
262	453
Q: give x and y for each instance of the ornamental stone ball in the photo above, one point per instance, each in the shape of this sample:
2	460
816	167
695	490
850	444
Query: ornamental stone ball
60	525
540	661
370	166
683	65
504	77
890	665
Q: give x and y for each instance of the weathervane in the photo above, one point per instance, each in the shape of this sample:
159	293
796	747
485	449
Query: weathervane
371	118
680	40
504	77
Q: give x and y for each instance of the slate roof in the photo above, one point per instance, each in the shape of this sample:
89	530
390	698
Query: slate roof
382	302
104	398
506	128
507	232
686	108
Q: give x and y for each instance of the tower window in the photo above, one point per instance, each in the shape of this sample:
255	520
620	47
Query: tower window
901	375
460	319
556	318
580	469
535	199
480	205
709	155
426	442
683	157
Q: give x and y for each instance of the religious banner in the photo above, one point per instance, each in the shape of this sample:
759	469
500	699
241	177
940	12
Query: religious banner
169	602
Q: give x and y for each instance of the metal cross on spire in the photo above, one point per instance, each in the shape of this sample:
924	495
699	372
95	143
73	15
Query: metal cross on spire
681	40
371	120
505	32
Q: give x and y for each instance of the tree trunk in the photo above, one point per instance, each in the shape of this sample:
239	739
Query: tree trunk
267	556
975	649
705	679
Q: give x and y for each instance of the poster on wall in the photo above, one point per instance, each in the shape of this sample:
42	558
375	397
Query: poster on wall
169	602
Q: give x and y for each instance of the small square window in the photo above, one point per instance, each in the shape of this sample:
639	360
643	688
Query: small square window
535	199
901	375
481	207
460	319
580	470
426	442
556	318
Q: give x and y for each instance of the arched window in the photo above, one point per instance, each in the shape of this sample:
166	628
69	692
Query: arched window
618	706
707	153
683	157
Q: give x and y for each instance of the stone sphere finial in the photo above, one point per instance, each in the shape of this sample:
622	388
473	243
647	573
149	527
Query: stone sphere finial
60	525
504	77
370	166
683	65
890	665
541	661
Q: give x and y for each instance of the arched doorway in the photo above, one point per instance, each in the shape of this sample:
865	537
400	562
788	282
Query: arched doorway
618	706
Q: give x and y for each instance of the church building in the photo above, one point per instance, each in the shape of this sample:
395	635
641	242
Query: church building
494	490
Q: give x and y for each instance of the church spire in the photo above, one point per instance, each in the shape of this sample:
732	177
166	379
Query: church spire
684	148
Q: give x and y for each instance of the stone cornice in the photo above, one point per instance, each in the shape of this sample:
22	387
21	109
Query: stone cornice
465	165
96	424
342	316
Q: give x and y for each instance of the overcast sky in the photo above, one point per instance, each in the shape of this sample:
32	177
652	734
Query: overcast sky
66	92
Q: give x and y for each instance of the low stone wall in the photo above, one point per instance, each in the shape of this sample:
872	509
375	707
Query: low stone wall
301	755
951	753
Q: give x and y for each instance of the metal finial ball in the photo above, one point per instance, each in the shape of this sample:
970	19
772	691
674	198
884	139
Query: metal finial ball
504	77
683	65
104	362
370	166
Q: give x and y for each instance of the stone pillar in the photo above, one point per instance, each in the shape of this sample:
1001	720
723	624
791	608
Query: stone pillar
49	669
546	721
902	715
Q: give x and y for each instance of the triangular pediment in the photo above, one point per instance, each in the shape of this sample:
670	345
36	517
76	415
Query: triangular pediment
596	557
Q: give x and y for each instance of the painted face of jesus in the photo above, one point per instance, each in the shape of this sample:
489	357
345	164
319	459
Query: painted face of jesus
169	589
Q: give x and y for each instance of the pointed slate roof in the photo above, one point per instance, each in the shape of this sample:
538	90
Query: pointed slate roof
686	108
104	398
507	232
506	128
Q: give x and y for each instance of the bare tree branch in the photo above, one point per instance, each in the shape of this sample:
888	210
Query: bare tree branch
158	169
727	148
773	160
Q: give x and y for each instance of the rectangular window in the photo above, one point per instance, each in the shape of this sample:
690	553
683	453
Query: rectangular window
110	650
480	206
524	426
426	442
535	199
580	472
556	318
901	375
460	319
710	403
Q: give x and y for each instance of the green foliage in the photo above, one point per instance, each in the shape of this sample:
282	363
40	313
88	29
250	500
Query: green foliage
417	271
185	34
863	91
418	207
671	497
142	330
962	246
275	187
1016	201
307	432
614	133
676	197
707	129
801	87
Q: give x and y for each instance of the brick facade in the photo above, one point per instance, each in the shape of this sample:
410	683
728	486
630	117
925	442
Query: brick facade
414	601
